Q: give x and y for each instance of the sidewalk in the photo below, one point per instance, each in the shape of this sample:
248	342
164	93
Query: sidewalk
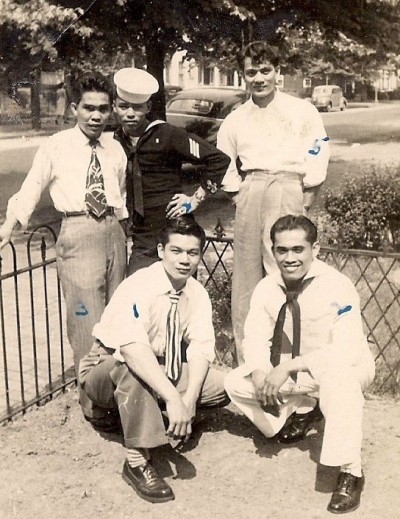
23	128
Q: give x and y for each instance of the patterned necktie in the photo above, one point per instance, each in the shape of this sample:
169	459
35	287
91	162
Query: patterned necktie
95	197
278	337
173	359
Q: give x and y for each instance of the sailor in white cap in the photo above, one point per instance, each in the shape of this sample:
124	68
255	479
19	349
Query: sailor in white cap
135	85
156	151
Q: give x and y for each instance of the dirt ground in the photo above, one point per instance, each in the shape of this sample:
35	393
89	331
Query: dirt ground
55	466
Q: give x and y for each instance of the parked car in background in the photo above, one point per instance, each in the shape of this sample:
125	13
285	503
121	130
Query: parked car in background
328	97
170	91
201	110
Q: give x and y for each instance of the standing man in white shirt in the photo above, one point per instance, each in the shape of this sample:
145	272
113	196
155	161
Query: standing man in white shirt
137	362
85	172
303	339
282	146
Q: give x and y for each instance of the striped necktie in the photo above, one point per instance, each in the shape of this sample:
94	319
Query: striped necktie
277	339
95	197
173	359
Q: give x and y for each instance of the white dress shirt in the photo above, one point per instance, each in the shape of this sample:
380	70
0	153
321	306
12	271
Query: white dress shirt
138	310
62	163
331	327
287	135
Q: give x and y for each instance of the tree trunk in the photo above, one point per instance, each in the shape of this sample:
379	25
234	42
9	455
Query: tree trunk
155	54
35	99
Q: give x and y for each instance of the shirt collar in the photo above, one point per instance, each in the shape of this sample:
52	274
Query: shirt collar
252	105
317	269
83	139
161	280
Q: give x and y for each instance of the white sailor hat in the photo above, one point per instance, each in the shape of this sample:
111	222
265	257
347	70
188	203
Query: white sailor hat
135	85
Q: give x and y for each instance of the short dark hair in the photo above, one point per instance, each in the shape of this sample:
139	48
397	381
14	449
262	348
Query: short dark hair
291	223
260	52
92	82
185	225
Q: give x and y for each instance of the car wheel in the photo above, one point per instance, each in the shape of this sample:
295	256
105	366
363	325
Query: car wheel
329	107
343	107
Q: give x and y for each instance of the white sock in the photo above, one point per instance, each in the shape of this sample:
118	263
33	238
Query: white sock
353	468
137	457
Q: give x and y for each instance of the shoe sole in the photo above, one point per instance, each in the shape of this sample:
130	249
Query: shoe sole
337	512
143	496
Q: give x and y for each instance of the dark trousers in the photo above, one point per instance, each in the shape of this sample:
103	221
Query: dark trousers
146	231
112	385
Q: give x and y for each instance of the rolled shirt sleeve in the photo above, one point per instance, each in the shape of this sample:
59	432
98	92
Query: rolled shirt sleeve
318	151
138	311
125	319
226	142
22	204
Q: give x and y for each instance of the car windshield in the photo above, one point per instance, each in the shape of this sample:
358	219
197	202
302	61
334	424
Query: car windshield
322	90
191	106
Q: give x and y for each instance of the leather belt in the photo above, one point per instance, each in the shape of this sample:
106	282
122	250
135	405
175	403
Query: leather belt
67	214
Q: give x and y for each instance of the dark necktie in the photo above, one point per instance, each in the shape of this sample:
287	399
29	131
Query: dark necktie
277	339
173	359
137	181
95	197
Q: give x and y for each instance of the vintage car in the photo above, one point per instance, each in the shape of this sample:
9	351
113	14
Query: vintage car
202	110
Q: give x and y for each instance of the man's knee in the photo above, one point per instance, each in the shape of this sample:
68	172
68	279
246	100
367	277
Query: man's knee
98	386
235	384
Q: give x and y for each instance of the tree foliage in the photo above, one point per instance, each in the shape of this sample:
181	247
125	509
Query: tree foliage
317	36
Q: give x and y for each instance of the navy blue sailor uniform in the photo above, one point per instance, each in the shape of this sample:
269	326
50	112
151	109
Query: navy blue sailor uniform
160	152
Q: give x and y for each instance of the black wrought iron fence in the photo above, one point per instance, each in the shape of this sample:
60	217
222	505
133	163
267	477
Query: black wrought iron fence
36	360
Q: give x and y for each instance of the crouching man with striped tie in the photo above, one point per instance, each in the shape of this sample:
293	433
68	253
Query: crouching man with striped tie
304	341
137	365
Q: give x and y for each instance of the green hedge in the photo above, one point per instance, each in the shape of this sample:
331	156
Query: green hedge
365	213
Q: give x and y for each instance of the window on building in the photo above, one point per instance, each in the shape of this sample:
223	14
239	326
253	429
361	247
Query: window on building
230	78
208	76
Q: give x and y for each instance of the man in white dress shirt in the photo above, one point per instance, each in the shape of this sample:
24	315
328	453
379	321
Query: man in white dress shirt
138	364
303	339
282	146
85	172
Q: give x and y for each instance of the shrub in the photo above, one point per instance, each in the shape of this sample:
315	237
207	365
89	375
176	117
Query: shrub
365	214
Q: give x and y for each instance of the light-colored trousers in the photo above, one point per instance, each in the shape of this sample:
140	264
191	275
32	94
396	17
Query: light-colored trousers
262	199
340	398
91	263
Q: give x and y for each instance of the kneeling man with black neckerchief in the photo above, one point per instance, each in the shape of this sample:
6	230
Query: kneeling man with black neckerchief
303	344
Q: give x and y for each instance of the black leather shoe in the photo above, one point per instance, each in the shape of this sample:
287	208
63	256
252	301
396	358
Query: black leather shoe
147	483
298	425
347	493
108	424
